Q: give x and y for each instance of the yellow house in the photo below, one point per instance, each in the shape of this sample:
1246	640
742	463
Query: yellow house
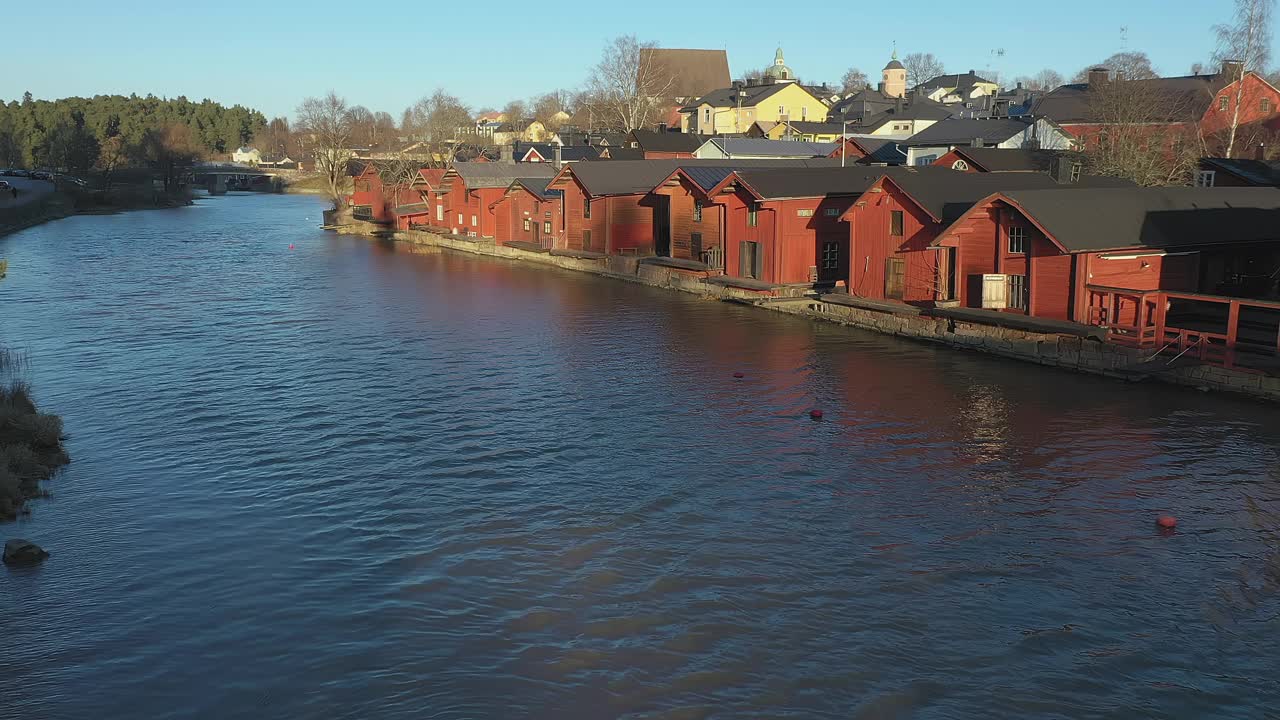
821	132
735	109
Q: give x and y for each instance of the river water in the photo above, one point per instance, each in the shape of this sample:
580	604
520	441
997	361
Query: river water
362	480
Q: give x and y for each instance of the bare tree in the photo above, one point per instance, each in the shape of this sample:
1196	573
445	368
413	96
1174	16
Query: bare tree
1145	135
1244	45
752	76
1046	79
853	81
921	68
628	85
516	113
547	108
113	154
1129	65
327	121
444	122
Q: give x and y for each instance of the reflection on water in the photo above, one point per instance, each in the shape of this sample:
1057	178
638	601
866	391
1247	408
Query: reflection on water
361	480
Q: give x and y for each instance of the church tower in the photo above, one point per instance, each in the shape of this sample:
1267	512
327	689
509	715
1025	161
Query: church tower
895	78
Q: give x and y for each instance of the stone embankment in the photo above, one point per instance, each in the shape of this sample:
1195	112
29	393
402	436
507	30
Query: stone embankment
1066	346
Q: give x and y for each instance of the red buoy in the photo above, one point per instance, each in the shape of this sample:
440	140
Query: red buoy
1168	522
815	414
290	246
739	375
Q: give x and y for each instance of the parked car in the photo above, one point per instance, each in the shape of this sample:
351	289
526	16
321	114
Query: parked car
15	172
41	175
5	186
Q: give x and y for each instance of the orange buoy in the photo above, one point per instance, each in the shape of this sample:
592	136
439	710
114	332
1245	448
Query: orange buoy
1168	522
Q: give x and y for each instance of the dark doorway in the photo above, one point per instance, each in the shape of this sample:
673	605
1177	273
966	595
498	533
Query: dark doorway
662	226
832	265
749	260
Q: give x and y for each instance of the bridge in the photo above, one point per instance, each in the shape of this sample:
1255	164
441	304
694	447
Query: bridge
218	178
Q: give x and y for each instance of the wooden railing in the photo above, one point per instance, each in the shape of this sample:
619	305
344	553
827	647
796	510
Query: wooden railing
362	212
1212	329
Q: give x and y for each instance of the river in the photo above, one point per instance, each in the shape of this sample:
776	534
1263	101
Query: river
358	479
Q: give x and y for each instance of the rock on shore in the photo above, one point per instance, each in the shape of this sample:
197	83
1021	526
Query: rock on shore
23	552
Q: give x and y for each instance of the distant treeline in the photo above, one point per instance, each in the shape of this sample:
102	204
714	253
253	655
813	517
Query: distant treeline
76	134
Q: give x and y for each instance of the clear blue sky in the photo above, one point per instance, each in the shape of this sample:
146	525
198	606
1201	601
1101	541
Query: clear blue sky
269	54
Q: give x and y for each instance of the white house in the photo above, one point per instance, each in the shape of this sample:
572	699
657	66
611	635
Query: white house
246	155
942	137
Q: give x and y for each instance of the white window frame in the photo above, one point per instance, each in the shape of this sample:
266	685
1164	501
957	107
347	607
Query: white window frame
1206	178
474	222
831	212
804	213
460	222
960	165
1017	234
1019	298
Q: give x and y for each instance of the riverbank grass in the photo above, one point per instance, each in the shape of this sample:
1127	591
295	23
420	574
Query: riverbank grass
31	448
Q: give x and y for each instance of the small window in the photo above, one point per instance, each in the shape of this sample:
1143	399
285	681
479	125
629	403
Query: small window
1206	178
895	223
831	256
1018	292
1075	172
831	212
804	213
473	221
1224	103
960	165
440	213
1017	240
804	112
753	219
782	110
459	218
697	211
1265	105
526	224
586	208
706	115
546	227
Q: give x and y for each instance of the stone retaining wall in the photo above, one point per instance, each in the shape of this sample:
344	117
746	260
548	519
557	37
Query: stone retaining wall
1043	348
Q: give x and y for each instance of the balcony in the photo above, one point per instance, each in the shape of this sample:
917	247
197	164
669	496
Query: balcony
362	212
1227	332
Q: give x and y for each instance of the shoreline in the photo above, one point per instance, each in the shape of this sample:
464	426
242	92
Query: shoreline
31	442
1065	346
63	205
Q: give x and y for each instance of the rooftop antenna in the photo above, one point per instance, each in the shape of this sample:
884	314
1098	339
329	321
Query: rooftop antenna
1124	37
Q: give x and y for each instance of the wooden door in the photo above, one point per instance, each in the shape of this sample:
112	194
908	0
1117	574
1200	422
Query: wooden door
894	278
749	260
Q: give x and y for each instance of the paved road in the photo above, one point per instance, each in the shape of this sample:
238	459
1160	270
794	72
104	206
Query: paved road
28	191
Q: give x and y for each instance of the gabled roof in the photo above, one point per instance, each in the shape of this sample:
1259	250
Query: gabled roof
654	141
430	177
787	183
805	127
948	195
953	82
633	177
620	153
692	72
772	148
1009	159
1172	99
537	187
547	151
877	149
1263	173
497	174
752	95
707	177
963	131
411	209
1093	220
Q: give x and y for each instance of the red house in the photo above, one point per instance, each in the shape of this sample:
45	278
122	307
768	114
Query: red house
1203	105
469	191
893	227
869	150
608	206
782	225
1121	256
370	200
529	214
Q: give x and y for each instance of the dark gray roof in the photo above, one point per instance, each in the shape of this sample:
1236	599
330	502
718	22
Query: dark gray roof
772	148
631	177
804	127
568	153
412	209
620	153
654	141
948	195
1091	220
895	65
881	150
959	81
962	131
754	94
498	174
1010	159
537	186
782	183
1265	173
1173	99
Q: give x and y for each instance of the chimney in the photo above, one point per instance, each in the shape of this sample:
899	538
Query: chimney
897	106
1019	86
558	157
880	87
977	142
1233	69
508	155
1260	153
1061	169
1098	77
